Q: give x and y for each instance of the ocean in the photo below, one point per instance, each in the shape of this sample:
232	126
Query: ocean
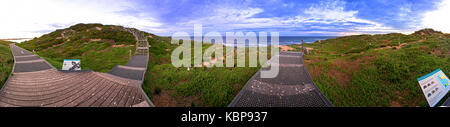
19	40
283	40
289	40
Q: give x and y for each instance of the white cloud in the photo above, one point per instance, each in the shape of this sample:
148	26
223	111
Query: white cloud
404	11
330	11
227	19
328	14
288	5
230	18
334	13
31	18
438	19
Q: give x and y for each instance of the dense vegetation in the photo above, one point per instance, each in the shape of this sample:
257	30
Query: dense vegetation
6	61
199	86
377	70
100	47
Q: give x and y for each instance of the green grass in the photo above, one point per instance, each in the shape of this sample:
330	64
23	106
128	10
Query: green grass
386	77
6	62
94	56
87	43
215	86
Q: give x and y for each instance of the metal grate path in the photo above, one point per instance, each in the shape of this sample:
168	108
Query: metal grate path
292	87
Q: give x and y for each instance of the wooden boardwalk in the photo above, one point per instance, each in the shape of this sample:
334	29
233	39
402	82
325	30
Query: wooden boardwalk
36	83
292	87
137	66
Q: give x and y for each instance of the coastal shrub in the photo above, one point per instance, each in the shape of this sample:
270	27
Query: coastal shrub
6	61
385	77
370	88
358	50
393	67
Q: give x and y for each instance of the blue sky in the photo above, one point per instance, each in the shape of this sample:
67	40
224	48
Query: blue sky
288	17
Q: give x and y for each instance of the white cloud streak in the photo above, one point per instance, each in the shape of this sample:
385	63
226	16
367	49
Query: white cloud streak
328	14
438	19
32	18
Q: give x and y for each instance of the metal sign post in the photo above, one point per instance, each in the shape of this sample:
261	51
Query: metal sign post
303	46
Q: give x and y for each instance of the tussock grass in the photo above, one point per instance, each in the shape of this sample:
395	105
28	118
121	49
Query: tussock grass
6	61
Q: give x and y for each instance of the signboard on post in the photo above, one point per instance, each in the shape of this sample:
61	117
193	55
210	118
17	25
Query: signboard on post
434	86
71	65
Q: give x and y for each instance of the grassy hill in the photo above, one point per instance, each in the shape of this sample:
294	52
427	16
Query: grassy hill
6	61
377	70
100	47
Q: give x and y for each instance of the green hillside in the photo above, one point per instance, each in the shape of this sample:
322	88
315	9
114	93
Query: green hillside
100	47
6	61
377	70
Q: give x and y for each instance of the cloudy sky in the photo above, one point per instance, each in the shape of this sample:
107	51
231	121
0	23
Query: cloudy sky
33	18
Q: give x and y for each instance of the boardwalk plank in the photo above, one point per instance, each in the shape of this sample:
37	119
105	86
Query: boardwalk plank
292	87
34	82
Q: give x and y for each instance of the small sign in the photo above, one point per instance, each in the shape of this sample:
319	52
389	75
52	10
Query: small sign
71	65
434	86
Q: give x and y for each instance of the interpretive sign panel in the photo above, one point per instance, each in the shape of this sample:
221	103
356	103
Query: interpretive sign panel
434	86
71	64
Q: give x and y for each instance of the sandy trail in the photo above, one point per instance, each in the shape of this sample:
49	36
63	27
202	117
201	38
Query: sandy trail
286	48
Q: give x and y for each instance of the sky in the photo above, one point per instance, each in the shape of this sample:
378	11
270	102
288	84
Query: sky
33	18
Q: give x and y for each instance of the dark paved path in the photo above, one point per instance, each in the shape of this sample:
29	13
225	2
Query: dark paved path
293	87
137	66
34	82
25	61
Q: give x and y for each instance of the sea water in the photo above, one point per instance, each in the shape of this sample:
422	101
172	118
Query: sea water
283	40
